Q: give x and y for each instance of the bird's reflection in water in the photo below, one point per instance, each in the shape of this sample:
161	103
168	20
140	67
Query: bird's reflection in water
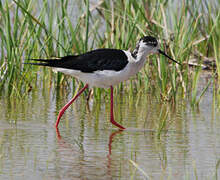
70	156
111	139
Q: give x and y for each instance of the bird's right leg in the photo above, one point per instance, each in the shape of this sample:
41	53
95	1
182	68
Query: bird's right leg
68	104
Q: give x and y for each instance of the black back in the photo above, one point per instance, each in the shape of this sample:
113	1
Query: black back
96	60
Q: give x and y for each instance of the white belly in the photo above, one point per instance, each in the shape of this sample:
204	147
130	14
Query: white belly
102	79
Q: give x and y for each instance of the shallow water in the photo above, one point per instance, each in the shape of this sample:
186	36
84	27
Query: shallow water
87	146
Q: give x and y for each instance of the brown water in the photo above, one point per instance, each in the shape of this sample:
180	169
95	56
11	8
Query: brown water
87	146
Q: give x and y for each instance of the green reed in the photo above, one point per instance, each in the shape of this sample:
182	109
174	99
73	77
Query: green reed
29	30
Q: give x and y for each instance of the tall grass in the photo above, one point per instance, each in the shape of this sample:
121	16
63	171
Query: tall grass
32	30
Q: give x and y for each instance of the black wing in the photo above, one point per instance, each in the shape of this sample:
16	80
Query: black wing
99	59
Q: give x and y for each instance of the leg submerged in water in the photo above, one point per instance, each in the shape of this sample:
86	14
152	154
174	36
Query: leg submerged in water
112	113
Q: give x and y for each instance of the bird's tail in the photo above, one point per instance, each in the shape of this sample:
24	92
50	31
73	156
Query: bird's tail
57	62
44	62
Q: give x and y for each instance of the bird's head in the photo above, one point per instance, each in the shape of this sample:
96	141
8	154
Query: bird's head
147	45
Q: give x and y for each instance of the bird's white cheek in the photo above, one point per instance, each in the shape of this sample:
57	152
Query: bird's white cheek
154	50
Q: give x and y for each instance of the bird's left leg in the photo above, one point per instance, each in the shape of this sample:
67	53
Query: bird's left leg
112	113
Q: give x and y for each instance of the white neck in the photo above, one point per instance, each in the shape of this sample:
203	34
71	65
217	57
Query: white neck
139	54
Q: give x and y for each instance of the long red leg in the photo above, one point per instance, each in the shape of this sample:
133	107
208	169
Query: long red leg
112	112
68	104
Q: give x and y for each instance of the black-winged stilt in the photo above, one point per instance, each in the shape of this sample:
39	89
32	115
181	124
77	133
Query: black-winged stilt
104	67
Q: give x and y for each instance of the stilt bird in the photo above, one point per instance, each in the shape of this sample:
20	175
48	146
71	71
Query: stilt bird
104	68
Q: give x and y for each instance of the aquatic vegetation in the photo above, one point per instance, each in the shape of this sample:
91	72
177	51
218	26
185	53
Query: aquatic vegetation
160	104
189	32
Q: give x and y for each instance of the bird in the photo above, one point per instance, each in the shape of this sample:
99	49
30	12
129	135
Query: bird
103	68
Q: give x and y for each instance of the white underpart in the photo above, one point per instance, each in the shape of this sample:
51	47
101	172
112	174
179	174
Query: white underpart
107	78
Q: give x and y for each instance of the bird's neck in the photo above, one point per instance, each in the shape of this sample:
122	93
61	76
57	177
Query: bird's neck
135	52
139	54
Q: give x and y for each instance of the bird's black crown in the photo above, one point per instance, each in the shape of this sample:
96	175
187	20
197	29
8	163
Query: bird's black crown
149	40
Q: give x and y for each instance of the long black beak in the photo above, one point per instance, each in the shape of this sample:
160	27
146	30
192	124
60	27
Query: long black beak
161	52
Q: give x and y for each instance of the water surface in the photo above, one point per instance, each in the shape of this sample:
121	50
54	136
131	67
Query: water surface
87	146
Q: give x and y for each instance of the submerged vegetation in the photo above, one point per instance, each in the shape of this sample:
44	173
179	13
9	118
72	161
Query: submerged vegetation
188	31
